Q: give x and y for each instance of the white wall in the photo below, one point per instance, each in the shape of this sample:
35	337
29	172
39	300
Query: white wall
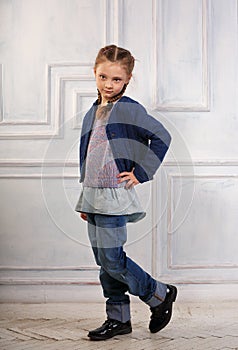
186	76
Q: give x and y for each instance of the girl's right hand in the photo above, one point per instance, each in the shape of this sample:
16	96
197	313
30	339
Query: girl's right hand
83	216
129	177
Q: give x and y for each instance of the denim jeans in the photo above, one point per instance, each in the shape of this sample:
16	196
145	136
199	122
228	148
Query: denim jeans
118	273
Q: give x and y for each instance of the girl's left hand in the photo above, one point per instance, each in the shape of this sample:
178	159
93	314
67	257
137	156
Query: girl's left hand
129	177
84	216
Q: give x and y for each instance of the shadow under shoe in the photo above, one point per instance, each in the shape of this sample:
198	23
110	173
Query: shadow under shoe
110	329
161	314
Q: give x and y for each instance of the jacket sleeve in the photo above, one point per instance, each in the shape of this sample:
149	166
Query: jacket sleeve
157	139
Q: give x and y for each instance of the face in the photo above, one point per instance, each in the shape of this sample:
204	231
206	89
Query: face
110	79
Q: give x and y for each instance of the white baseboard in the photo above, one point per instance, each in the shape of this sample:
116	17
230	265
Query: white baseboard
89	293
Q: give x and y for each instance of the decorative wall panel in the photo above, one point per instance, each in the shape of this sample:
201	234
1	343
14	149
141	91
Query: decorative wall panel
35	34
185	75
181	51
201	243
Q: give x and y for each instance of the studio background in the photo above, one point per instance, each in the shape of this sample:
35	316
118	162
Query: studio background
185	75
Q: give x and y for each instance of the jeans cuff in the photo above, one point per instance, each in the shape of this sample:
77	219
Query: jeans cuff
159	295
118	311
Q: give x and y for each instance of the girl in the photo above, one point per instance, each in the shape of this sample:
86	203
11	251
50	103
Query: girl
120	147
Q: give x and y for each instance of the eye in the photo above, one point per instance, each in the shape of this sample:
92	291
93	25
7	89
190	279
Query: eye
102	77
117	80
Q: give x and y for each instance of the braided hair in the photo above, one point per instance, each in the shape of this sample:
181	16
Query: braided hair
114	53
105	109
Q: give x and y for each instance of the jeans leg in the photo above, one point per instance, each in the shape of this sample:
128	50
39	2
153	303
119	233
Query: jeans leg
111	236
118	303
125	270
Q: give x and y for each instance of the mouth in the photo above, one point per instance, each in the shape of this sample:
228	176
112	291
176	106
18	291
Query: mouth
107	91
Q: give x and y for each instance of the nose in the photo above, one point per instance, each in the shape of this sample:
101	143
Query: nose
108	83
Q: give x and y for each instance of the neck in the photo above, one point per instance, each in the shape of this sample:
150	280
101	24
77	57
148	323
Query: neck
104	102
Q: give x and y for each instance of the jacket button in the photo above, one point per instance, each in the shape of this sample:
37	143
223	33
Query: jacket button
113	134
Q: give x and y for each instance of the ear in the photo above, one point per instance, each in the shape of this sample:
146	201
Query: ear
129	78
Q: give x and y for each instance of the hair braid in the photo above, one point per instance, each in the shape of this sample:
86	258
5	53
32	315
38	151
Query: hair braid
114	98
105	109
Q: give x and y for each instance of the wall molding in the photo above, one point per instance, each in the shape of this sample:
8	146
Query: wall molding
113	24
170	264
1	93
26	165
10	169
48	268
24	275
78	96
50	281
49	125
204	104
74	163
188	292
57	74
37	169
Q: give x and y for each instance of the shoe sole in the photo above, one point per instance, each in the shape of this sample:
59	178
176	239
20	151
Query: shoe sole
122	332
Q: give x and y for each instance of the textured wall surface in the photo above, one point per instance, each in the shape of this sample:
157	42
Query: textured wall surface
185	75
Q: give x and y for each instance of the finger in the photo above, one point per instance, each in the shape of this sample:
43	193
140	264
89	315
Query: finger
129	184
124	173
125	178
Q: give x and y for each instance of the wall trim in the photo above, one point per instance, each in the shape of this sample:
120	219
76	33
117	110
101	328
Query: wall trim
113	24
24	275
157	18
48	268
74	163
170	264
48	281
86	293
50	125
80	94
12	165
1	93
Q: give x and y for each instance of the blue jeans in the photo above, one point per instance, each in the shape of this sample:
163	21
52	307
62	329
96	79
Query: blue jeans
118	273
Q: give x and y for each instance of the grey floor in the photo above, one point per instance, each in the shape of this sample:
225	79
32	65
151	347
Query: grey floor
64	326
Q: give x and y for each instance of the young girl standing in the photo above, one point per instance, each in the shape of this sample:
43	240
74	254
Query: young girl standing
120	147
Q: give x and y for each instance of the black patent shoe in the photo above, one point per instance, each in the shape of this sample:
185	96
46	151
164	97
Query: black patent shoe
110	329
162	313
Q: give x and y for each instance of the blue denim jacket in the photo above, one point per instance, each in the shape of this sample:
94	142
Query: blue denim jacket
138	141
